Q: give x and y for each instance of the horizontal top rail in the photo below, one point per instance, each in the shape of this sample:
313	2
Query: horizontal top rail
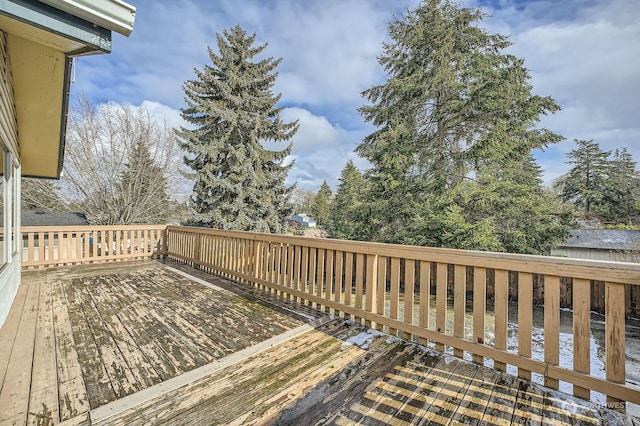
88	228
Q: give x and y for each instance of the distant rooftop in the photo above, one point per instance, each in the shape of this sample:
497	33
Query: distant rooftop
41	218
603	239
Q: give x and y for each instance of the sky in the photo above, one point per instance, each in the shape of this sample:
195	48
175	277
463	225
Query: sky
583	53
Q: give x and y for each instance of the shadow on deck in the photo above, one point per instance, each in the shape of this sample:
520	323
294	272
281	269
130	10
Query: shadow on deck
149	343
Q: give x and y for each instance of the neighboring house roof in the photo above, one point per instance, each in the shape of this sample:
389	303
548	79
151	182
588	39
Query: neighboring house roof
304	219
40	218
603	239
41	39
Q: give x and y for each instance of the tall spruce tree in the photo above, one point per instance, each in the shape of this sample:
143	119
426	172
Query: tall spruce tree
346	208
238	183
454	106
520	210
584	185
321	202
622	193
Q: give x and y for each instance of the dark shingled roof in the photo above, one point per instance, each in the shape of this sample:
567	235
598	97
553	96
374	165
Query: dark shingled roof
604	239
40	218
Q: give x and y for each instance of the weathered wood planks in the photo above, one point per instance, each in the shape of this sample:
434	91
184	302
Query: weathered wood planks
14	396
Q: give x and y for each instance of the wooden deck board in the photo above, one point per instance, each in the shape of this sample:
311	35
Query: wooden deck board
72	393
186	313
471	409
387	395
206	398
161	330
43	405
142	370
502	401
10	329
451	394
148	335
14	398
115	329
94	372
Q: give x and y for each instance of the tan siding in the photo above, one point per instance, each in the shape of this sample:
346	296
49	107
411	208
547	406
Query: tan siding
584	253
10	274
8	127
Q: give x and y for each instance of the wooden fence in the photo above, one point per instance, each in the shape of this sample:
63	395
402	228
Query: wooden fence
385	286
55	246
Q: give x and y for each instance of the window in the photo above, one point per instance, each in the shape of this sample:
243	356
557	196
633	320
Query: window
15	217
4	203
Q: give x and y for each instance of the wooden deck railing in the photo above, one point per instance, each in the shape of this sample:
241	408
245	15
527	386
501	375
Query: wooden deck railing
54	246
386	287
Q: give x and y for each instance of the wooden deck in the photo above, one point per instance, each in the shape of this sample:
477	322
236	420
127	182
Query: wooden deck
146	343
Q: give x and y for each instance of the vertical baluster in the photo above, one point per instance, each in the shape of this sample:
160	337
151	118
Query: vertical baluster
459	304
370	304
479	308
551	325
312	272
358	289
501	312
382	288
441	301
271	263
614	338
320	273
291	250
394	294
338	294
257	259
297	277
304	275
525	319
348	279
31	251
581	332
328	292
425	294
409	292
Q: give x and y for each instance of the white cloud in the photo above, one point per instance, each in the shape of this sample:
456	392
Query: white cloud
584	53
165	114
320	149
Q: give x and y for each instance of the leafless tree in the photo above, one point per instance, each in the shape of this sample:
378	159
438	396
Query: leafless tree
302	200
102	173
41	194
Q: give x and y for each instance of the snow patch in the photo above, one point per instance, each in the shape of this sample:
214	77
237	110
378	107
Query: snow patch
362	340
309	318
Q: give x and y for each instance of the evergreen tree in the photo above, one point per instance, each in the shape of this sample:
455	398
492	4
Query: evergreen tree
142	191
320	208
347	205
454	106
584	184
238	183
513	200
622	192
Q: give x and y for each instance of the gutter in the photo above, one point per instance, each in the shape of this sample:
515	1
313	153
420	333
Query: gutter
114	15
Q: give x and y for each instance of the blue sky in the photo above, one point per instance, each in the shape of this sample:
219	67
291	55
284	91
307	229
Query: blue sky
583	53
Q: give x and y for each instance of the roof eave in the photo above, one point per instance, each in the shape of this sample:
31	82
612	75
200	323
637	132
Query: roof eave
114	15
